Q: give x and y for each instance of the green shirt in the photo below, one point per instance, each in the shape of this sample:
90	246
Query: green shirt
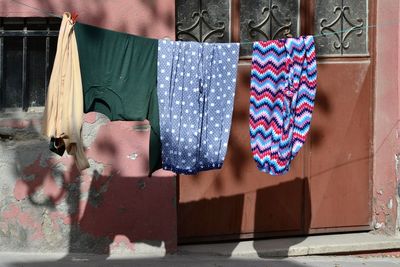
119	78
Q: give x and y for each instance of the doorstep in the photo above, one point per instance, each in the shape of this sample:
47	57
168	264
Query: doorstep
298	246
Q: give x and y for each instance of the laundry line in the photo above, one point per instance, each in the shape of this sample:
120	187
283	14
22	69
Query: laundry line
353	28
37	9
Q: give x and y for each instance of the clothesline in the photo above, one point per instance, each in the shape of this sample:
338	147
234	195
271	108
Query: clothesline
242	43
38	9
189	106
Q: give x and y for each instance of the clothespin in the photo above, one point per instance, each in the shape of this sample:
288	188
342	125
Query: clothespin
74	16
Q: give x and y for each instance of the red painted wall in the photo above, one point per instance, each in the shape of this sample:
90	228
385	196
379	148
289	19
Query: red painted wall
112	207
386	146
151	18
45	204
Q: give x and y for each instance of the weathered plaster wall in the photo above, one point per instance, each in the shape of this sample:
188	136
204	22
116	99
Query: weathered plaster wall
47	205
386	147
113	207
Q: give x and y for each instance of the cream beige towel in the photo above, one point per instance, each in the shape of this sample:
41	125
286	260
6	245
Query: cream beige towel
63	115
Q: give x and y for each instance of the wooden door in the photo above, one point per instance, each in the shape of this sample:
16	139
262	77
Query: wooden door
328	187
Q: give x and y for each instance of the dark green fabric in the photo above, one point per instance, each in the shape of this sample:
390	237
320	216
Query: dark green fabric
119	76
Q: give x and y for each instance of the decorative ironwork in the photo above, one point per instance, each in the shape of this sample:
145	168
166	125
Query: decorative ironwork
266	20
338	32
201	21
283	29
343	34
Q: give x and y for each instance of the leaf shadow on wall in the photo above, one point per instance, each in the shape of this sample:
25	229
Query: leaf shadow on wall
281	209
103	209
99	204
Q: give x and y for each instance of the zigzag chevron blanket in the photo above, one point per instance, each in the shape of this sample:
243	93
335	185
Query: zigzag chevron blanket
283	89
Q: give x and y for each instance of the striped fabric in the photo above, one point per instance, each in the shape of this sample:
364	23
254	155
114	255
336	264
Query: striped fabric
283	88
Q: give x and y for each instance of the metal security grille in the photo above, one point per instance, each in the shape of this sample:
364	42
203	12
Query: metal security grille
203	20
268	20
342	27
27	51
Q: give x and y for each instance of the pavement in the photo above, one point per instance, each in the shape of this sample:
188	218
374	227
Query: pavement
333	244
315	251
47	260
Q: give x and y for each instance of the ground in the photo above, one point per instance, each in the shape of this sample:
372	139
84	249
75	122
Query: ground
47	260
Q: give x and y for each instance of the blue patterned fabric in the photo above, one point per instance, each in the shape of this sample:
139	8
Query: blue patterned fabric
283	89
196	88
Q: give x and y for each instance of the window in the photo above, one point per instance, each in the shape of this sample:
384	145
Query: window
340	26
203	20
268	20
210	21
27	51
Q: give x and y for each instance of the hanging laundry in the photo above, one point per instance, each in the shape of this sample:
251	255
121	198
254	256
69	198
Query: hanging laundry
196	89
283	89
119	75
63	114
